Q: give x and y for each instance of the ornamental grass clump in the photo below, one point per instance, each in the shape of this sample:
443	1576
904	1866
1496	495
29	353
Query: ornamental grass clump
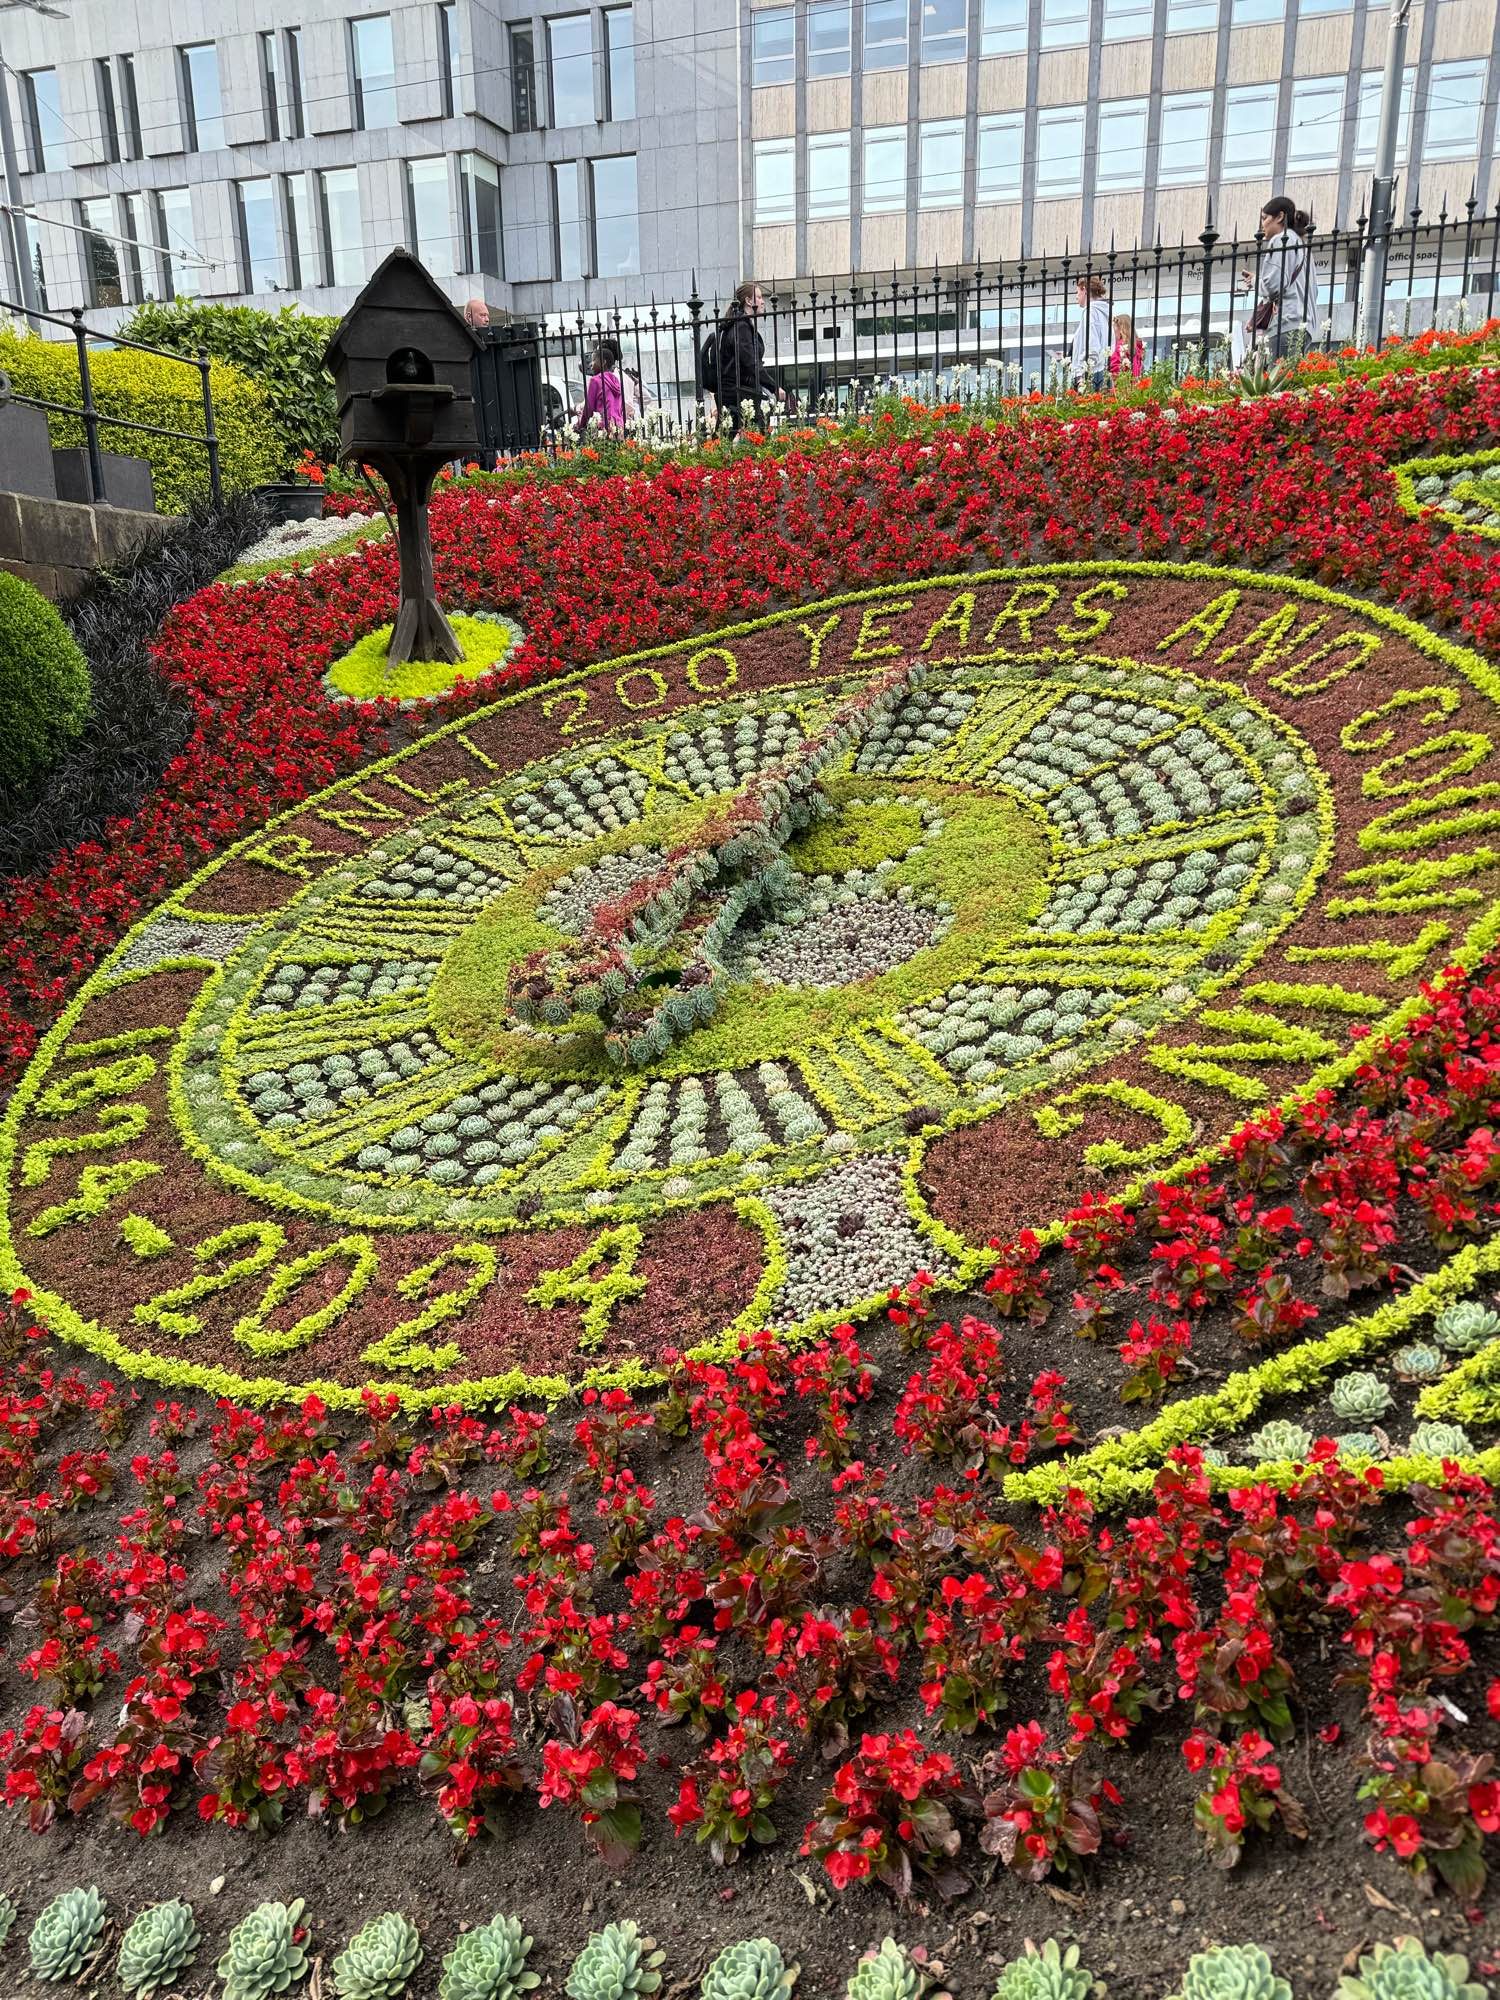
1046	1973
265	1954
489	1964
1403	1971
65	1934
161	1943
378	1961
751	1970
616	1964
45	690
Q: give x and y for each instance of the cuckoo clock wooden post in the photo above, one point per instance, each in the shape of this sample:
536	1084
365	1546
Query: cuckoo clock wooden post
402	367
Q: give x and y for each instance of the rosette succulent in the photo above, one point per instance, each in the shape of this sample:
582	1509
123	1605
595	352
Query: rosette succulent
1051	1973
1280	1438
264	1954
8	1914
1403	1971
1435	1440
1466	1327
489	1964
1359	1398
66	1933
616	1964
378	1961
1232	1972
1420	1361
1360	1444
887	1974
751	1970
162	1942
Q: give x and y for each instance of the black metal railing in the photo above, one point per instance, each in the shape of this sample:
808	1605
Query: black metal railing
974	335
94	419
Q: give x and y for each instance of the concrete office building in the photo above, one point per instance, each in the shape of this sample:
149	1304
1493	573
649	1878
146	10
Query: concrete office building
577	156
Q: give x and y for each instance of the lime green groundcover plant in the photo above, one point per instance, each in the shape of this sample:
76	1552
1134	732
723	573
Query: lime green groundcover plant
364	675
150	389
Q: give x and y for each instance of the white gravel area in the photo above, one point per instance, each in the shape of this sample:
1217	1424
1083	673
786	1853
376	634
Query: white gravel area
296	537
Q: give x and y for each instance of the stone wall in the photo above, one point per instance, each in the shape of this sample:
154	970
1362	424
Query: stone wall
58	544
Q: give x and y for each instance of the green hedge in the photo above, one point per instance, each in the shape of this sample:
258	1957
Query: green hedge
44	685
149	389
282	351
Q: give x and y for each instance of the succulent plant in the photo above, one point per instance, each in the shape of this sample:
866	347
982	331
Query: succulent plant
489	1963
1051	1973
1440	1441
1359	1398
1232	1972
887	1974
160	1943
263	1955
1280	1438
1420	1361
1403	1971
379	1960
616	1964
8	1915
751	1970
66	1932
1466	1327
1360	1444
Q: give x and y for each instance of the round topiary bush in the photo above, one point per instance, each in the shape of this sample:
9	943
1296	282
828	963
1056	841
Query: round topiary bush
44	685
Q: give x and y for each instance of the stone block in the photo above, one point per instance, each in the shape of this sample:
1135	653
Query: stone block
10	527
127	481
121	530
25	451
56	531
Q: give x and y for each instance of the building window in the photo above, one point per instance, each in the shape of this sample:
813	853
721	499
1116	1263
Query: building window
1128	20
828	174
773	47
41	107
1122	144
181	272
1367	122
1186	17
885	170
109	123
940	164
372	61
129	106
479	190
828	38
617	218
1001	143
1249	131
1316	137
270	84
343	229
301	237
1065	23
448	56
945	30
774	167
1323	6
142	257
1455	98
886	34
202	103
567	220
570	59
1059	151
619	61
296	127
1244	12
429	223
34	258
1183	152
523	102
101	254
1002	27
260	258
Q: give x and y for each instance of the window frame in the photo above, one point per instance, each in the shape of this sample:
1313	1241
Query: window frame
270	81
300	229
572	228
834	207
196	126
839	59
766	213
898	10
96	239
1239	97
932	187
990	126
109	119
448	55
180	281
1186	17
1115	13
476	170
129	102
1071	15
371	87
1461	70
1310	88
553	24
1116	180
326	211
1054	118
762	22
35	115
873	138
296	107
1178	102
525	102
950	44
242	230
445	265
602	163
619	75
1367	116
998	37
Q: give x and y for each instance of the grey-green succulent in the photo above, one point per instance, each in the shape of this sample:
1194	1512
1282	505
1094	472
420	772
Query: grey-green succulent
1466	1327
1280	1438
616	1964
1360	1444
264	1954
489	1963
1359	1398
887	1974
379	1960
1232	1972
8	1915
1050	1973
1434	1440
1403	1971
160	1943
66	1933
1419	1361
754	1969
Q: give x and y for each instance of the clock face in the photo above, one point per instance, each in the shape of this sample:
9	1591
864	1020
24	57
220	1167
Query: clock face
1125	867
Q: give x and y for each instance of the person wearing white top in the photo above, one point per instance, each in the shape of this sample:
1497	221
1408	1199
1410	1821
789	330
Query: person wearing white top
1285	313
1092	338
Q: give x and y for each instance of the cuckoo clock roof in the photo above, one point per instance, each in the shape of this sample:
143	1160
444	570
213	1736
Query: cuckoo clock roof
401	306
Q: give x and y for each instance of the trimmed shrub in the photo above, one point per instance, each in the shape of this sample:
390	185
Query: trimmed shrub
149	389
44	684
282	351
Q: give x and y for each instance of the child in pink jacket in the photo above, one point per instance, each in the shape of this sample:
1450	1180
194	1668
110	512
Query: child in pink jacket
604	397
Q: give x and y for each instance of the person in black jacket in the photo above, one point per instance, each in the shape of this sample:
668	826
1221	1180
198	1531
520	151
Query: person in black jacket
735	369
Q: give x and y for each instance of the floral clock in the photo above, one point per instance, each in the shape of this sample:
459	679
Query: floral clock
1088	862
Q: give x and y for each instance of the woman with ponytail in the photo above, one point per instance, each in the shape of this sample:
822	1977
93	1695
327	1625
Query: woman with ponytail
1285	313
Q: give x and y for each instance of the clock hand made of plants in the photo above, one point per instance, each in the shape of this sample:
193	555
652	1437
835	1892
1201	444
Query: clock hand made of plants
729	985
